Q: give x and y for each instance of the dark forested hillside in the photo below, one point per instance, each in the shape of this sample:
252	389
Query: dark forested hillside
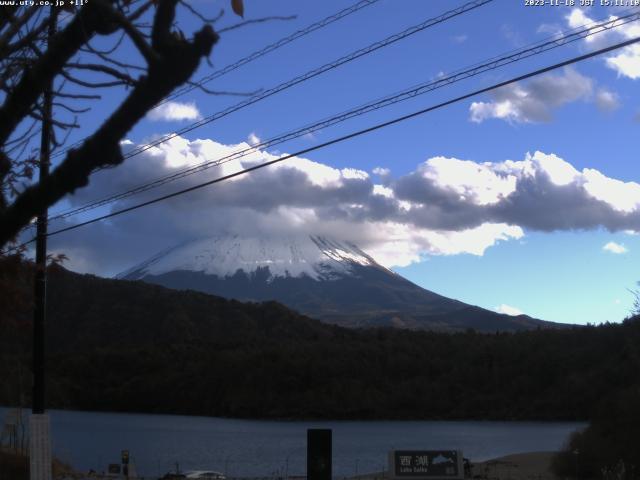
131	346
327	279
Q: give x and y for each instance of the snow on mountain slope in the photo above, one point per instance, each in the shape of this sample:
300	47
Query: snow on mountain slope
319	258
329	280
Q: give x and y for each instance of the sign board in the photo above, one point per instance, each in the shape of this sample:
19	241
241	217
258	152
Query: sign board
319	454
426	464
114	468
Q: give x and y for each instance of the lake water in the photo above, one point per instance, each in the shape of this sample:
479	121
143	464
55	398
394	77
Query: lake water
264	448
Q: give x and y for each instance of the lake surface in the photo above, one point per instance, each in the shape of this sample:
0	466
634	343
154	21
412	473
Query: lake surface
264	448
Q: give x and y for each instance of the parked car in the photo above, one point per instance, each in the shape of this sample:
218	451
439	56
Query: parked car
205	475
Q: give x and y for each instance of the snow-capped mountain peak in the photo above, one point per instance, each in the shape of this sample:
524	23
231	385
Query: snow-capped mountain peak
326	279
316	257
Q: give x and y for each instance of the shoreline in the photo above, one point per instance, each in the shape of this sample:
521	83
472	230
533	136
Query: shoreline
526	465
517	466
294	419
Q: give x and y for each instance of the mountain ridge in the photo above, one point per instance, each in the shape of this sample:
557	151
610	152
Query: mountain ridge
327	279
135	347
321	258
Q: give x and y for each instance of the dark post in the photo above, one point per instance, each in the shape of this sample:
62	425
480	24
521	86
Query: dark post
40	288
39	437
319	454
125	463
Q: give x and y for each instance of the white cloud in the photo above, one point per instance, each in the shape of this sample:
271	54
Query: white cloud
522	193
446	206
622	196
383	172
534	101
473	182
459	38
560	173
508	310
578	18
474	241
253	139
625	62
616	248
382	190
551	29
174	112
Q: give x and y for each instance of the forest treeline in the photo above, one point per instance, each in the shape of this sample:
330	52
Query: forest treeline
128	346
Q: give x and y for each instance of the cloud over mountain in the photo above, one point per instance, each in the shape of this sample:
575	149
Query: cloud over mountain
445	206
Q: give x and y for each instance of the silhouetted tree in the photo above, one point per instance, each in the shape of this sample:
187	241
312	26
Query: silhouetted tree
608	447
29	61
131	346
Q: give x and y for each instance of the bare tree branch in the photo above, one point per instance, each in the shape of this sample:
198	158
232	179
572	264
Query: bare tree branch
87	84
23	135
71	109
138	40
206	90
6	15
78	96
177	60
64	45
115	62
95	67
15	27
57	123
7	49
32	59
255	20
108	51
140	11
197	14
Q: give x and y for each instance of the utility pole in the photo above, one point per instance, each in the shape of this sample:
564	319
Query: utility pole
39	425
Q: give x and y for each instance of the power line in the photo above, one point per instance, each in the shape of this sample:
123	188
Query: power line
315	72
339	139
270	48
318	71
478	68
254	56
352	135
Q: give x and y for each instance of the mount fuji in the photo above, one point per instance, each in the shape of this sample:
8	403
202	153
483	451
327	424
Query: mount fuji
326	279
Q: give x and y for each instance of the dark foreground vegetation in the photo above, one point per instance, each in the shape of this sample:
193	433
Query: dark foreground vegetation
609	447
129	346
15	466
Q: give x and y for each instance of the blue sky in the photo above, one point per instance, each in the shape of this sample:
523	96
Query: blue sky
551	265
